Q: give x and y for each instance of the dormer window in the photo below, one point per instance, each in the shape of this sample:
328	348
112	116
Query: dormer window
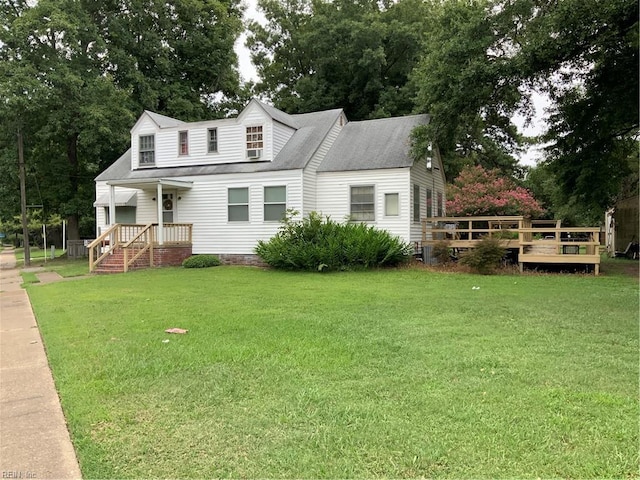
254	137
213	140
183	143
147	150
254	141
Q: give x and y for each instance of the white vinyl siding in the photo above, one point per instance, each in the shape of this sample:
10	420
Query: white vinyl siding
309	174
334	190
280	135
432	180
205	205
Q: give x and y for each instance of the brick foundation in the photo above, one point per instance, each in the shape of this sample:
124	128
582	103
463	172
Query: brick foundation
170	255
241	259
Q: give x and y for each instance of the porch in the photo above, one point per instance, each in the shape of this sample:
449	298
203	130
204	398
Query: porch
534	241
124	247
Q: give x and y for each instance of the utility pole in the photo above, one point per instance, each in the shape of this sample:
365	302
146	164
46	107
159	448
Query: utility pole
23	200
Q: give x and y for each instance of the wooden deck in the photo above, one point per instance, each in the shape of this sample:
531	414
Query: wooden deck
128	246
536	241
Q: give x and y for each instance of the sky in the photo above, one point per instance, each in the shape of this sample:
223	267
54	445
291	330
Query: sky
536	127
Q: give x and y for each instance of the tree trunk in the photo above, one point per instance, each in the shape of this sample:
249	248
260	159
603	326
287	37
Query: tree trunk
73	222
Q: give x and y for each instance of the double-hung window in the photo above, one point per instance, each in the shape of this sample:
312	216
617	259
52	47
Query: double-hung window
416	203
147	150
275	203
183	143
254	138
213	140
440	204
238	204
362	203
429	203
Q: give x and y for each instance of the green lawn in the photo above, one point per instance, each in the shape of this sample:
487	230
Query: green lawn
61	264
401	373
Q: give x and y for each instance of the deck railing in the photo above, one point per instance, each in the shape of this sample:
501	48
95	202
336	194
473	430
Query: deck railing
175	233
537	241
135	240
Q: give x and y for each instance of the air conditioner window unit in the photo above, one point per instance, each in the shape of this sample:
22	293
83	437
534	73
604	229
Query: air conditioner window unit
256	153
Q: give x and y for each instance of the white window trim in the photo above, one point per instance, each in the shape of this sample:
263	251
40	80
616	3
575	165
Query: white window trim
264	201
351	219
180	133
248	204
386	214
209	130
416	203
247	141
141	151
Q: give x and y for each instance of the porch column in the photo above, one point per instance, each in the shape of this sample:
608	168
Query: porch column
112	205
160	236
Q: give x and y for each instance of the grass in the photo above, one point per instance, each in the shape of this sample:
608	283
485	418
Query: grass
400	373
64	266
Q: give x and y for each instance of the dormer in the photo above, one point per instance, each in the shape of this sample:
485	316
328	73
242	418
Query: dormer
257	134
144	138
267	130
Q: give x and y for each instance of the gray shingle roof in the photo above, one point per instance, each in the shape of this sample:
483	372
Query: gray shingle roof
163	121
279	115
373	144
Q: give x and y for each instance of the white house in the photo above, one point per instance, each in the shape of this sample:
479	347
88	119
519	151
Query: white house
233	179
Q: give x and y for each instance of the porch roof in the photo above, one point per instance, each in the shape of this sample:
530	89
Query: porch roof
150	183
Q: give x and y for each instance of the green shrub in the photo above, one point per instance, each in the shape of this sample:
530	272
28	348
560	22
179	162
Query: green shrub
485	257
317	243
442	251
201	261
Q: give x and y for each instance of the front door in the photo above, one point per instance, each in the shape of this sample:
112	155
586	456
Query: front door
168	207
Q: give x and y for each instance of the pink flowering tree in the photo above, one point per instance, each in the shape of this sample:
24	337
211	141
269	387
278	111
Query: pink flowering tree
477	191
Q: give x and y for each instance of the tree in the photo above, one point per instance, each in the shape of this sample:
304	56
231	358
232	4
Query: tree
582	53
477	191
468	82
315	55
78	73
176	58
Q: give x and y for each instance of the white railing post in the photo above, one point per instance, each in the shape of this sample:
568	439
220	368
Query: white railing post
160	219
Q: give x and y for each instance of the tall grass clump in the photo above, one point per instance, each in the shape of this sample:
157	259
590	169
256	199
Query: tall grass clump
319	243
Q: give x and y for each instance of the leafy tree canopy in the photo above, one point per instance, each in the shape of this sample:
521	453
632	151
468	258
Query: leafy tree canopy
316	55
76	73
483	58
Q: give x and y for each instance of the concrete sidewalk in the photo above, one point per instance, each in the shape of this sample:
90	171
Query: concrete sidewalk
34	440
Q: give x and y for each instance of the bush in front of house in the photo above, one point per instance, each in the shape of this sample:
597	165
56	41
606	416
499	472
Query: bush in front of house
201	261
320	244
442	251
485	257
